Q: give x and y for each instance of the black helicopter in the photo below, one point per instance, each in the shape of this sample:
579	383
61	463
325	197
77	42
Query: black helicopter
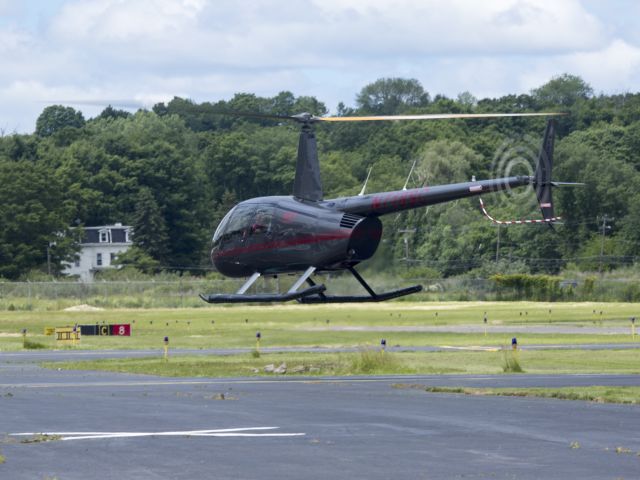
306	233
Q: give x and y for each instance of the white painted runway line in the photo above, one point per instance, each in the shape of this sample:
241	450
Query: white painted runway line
225	432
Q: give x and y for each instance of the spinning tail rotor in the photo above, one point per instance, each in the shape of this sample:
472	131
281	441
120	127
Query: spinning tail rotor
541	182
542	178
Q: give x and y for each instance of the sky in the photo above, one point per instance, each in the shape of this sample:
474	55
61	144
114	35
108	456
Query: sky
135	53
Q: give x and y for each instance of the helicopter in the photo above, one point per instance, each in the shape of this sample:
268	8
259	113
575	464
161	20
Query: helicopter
307	234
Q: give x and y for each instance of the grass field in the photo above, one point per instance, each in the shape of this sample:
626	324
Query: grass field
623	395
360	326
330	325
371	362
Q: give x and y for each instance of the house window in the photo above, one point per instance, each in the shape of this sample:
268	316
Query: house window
112	257
104	236
99	259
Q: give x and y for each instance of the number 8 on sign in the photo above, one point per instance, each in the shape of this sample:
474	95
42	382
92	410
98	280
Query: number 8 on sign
123	330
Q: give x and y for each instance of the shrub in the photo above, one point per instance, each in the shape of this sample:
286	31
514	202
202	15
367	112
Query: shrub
372	361
510	363
529	287
31	345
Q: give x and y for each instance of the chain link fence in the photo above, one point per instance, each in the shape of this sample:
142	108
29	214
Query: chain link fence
184	293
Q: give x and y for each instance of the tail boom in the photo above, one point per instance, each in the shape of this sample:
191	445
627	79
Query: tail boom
400	200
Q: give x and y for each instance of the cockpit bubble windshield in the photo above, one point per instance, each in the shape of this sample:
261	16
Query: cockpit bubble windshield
222	226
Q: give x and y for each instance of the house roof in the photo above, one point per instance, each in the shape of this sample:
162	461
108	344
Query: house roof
118	234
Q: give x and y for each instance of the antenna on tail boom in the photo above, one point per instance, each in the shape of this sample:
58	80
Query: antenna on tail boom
365	182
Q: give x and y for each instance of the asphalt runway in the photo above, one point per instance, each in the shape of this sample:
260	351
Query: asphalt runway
115	426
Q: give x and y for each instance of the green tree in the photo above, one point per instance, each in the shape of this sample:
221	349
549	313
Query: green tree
35	218
54	118
388	96
563	90
149	227
111	112
443	161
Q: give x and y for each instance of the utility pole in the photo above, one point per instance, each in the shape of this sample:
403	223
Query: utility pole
406	231
49	258
606	218
49	245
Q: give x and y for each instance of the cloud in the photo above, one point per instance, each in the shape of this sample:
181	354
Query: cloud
270	33
614	68
123	21
143	50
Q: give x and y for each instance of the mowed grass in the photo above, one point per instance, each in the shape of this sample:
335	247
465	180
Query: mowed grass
327	325
598	394
372	362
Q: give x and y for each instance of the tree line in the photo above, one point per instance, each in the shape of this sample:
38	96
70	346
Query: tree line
173	171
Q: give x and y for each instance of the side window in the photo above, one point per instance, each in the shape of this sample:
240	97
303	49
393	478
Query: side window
99	259
263	221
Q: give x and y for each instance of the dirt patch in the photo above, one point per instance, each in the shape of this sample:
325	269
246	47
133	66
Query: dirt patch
83	308
10	335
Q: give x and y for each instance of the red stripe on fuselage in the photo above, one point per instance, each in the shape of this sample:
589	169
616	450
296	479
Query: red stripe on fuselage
401	199
308	239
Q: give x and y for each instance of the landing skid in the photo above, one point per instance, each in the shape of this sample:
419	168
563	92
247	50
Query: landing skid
261	298
241	297
313	294
373	296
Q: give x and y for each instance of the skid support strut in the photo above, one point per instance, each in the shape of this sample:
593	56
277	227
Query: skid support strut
372	297
241	297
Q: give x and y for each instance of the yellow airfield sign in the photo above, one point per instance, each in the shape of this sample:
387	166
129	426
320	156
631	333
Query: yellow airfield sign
67	335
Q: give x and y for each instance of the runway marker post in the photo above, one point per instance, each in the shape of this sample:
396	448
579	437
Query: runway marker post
258	336
485	324
383	345
633	328
166	349
24	338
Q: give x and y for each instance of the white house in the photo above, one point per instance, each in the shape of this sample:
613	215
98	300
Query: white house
99	248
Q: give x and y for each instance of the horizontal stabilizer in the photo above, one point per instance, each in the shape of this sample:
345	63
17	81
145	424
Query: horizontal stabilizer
567	184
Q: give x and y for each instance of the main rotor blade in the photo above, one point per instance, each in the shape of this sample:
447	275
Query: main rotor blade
257	115
435	116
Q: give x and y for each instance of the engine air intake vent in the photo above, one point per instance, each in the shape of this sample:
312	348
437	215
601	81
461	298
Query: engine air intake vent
349	220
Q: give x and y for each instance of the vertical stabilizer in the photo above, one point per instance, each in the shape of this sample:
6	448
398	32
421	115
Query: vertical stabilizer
307	185
543	171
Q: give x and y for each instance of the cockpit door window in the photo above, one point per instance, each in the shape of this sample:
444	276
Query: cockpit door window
263	223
